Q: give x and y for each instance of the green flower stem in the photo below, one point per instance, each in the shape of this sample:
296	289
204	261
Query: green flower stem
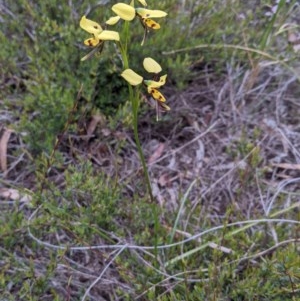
135	107
134	99
126	35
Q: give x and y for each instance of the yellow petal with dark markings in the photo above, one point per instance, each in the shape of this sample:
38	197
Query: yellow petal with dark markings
150	23
92	42
156	94
90	26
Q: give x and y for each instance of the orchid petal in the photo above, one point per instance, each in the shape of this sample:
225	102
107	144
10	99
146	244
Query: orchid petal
109	35
131	77
90	26
151	65
150	23
156	94
156	84
92	42
124	11
149	13
113	20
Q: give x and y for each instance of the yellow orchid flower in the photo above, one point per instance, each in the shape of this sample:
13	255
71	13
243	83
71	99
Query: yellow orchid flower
146	14
128	12
135	79
98	33
98	36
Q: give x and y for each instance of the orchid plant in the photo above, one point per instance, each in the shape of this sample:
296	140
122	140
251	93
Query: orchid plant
98	36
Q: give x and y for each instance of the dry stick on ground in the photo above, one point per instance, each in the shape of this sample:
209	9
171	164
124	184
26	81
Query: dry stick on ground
3	149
